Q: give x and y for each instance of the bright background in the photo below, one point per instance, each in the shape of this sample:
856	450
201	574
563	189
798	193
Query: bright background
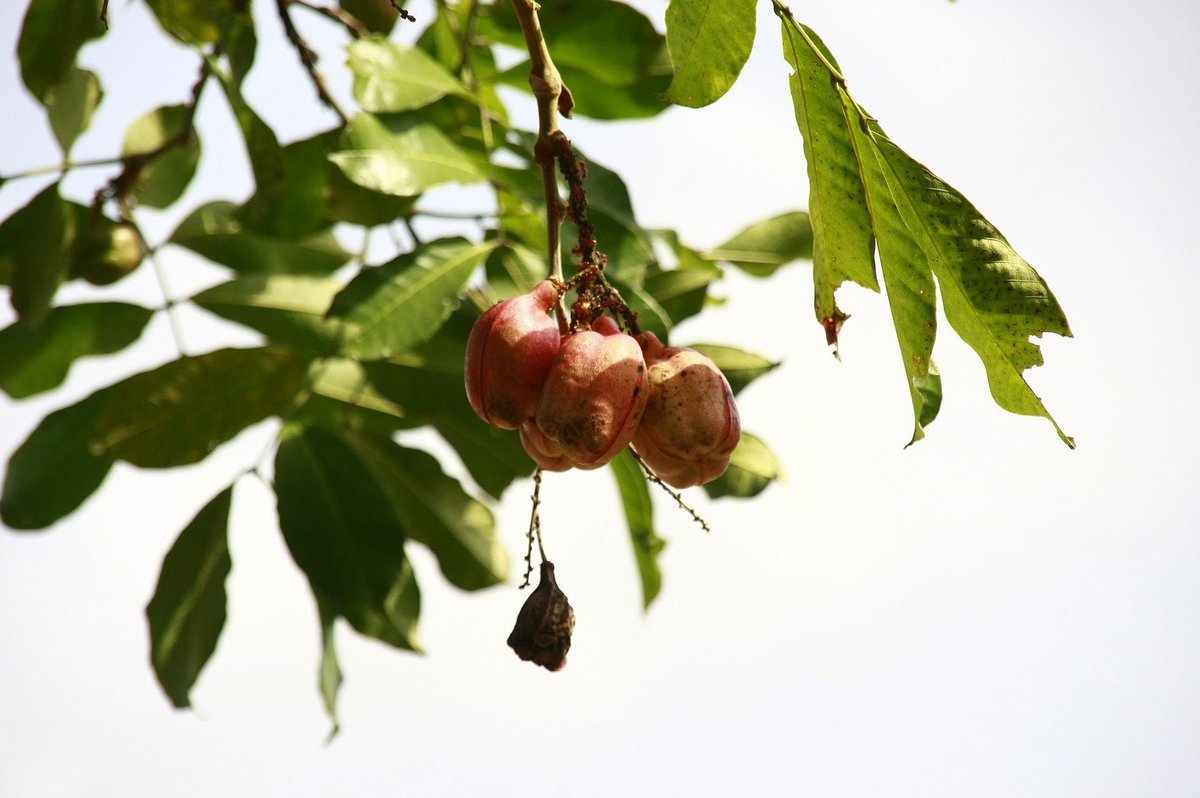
984	614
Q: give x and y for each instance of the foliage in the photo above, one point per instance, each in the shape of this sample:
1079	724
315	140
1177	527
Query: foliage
355	351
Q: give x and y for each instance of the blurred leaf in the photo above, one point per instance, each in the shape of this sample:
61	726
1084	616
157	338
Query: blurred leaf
33	360
214	231
513	269
70	105
35	243
435	511
390	77
52	33
681	292
163	179
292	192
187	612
402	303
54	470
609	54
329	674
709	41
764	246
639	514
179	412
350	202
402	156
344	398
379	16
287	308
739	366
752	467
843	248
345	536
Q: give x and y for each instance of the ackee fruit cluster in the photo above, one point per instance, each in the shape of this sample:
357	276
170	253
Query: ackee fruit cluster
580	398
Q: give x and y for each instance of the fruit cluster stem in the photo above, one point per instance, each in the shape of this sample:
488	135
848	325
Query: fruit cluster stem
552	97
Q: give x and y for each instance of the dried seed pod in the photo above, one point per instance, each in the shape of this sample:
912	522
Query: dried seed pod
542	633
691	424
508	355
593	397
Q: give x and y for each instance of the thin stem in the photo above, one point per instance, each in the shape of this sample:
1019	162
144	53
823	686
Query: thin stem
104	14
650	475
552	97
65	166
308	58
535	529
170	306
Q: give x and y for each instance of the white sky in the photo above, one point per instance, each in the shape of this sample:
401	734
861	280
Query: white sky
984	614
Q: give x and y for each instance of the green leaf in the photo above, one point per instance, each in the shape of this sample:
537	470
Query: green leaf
513	269
214	231
187	612
55	469
179	412
681	292
287	308
390	77
709	42
911	293
329	674
402	156
764	246
398	305
51	35
837	205
344	398
35	244
164	178
739	366
33	360
993	298
639	514
343	533
292	187
436	512
70	105
609	55
752	467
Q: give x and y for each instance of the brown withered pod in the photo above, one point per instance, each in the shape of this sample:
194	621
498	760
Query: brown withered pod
542	633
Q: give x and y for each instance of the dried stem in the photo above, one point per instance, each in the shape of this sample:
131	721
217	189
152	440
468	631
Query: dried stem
674	494
308	58
552	97
535	529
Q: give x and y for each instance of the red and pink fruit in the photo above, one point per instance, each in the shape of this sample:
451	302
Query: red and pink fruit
509	354
592	400
690	426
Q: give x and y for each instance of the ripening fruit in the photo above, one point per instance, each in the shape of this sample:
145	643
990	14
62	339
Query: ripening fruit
508	355
691	424
592	400
108	254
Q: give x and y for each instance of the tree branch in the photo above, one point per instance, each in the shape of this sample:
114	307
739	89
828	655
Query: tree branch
552	98
308	58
